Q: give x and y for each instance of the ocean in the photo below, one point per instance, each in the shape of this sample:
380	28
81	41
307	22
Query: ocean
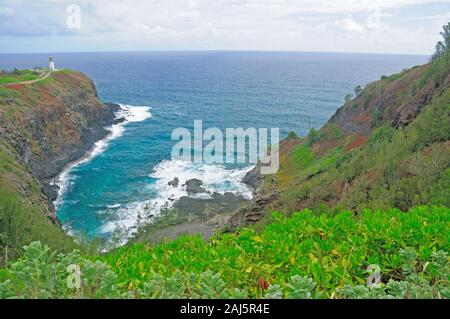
125	179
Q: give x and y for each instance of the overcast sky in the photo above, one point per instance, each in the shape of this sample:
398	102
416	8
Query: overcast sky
379	26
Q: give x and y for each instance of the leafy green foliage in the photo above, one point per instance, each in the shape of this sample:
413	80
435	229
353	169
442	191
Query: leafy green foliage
207	285
305	256
416	284
41	274
332	251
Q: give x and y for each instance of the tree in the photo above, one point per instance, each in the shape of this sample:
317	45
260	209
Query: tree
348	98
446	35
358	90
439	51
442	46
313	136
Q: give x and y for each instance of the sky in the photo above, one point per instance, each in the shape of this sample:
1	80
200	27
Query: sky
369	26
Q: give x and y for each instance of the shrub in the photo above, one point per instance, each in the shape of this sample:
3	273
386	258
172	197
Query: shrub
21	224
313	136
305	256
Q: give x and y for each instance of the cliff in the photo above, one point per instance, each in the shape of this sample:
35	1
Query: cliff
44	126
387	147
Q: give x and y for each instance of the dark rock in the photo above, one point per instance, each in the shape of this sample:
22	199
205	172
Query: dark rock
253	212
175	182
264	200
119	120
51	191
253	178
199	208
194	186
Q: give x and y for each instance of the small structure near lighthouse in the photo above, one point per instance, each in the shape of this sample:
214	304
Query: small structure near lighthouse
51	64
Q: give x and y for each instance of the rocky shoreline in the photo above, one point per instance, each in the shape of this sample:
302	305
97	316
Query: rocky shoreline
200	213
61	127
205	216
47	127
89	137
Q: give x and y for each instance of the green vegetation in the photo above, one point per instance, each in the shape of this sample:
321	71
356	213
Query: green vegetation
377	192
20	224
348	98
303	156
14	76
443	47
313	136
5	93
25	214
392	167
305	256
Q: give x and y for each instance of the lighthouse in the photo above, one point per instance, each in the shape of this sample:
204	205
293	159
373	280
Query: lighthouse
51	64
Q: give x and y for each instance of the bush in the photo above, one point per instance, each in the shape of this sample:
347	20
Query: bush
313	136
305	256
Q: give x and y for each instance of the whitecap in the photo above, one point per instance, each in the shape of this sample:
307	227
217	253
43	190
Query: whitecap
130	114
114	206
216	179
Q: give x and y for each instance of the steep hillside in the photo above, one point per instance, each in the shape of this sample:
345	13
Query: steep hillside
387	147
43	126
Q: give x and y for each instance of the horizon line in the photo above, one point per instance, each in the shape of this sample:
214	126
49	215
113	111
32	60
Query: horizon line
211	50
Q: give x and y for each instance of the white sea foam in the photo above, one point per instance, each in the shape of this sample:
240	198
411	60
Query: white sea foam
215	178
124	220
130	114
114	206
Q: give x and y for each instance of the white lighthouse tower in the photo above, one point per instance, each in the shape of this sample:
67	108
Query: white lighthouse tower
51	64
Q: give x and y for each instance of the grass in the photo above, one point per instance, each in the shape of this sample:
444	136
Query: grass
19	76
303	156
6	93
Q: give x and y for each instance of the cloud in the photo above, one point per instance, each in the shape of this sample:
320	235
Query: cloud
348	24
221	24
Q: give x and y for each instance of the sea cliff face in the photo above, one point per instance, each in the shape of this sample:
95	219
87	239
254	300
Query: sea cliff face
387	147
46	125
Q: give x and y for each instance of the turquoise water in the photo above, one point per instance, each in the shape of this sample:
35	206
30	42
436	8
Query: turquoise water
124	181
